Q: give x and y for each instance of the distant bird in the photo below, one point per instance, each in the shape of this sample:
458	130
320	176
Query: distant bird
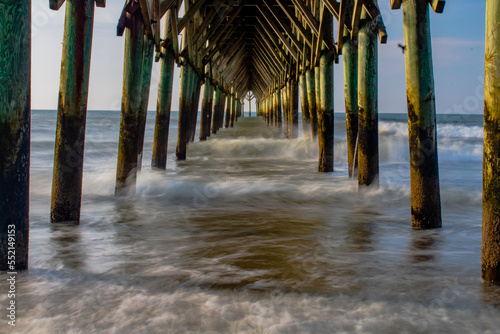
403	48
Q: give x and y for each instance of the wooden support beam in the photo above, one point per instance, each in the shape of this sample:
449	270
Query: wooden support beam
146	18
356	16
55	4
342	19
155	22
174	33
396	4
311	20
15	125
368	156
276	30
325	112
334	7
490	251
126	172
100	3
420	94
165	6
285	27
72	112
163	106
350	61
296	23
437	5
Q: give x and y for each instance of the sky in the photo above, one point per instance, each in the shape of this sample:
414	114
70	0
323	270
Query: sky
457	45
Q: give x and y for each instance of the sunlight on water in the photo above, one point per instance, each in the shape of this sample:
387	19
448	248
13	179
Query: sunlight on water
246	237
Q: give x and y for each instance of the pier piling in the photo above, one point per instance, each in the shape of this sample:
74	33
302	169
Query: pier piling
15	114
325	112
368	160
126	172
72	112
490	255
424	170
164	103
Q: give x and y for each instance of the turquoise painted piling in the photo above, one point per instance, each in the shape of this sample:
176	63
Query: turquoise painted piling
350	60
72	112
164	103
368	163
15	114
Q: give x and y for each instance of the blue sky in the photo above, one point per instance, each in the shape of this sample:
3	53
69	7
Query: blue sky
458	54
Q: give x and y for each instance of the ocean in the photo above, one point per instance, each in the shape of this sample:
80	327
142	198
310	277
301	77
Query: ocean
246	236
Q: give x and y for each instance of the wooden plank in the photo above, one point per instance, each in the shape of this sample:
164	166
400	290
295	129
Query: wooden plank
165	5
156	25
311	20
190	13
334	7
206	22
174	33
305	34
278	32
285	27
146	18
100	3
437	5
396	4
341	18
321	31
356	15
55	4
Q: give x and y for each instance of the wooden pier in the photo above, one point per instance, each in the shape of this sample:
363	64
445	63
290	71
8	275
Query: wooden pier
280	53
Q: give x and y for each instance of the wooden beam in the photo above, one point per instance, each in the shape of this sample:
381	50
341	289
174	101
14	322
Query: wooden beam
156	25
55	4
437	5
174	33
356	16
165	5
319	42
311	20
146	18
100	3
300	28
396	4
285	27
334	7
342	19
278	32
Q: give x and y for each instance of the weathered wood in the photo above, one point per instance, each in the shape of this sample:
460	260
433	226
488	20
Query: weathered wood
147	66
126	171
15	112
490	254
100	3
396	4
146	18
206	110
280	109
311	99
350	52
294	109
325	112
317	92
164	103
72	112
368	160
424	169
228	110
56	4
437	5
184	112
306	115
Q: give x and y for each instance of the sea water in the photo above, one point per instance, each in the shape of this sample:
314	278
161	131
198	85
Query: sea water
245	236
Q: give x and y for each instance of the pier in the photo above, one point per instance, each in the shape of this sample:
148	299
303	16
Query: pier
282	54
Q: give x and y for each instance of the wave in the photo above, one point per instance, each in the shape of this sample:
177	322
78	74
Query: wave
400	130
